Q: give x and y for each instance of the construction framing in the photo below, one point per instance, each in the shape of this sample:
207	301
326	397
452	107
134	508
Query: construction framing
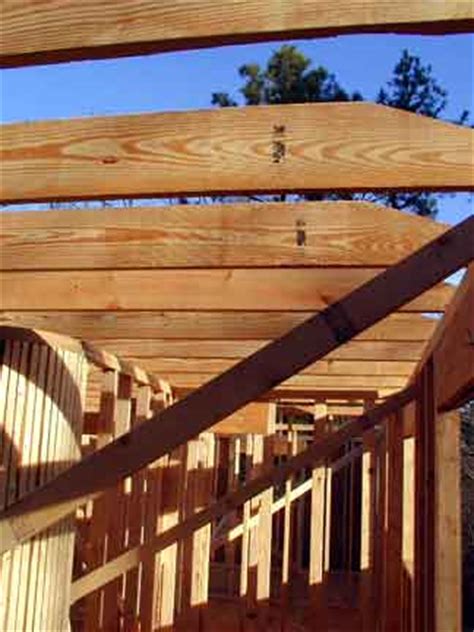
235	415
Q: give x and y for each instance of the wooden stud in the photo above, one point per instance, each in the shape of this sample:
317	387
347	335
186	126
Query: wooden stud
308	457
448	530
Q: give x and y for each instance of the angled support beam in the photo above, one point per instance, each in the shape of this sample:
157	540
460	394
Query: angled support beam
243	383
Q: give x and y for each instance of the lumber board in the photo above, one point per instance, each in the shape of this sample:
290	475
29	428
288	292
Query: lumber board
310	234
204	331
208	289
357	382
307	458
260	149
167	367
242	384
454	353
366	350
47	32
448	526
255	418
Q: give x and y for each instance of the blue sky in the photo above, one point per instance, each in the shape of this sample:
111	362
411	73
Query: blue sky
185	80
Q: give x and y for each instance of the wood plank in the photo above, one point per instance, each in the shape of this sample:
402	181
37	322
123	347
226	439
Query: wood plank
169	366
262	149
448	526
454	351
312	234
191	350
393	543
315	382
48	32
235	499
210	289
212	330
255	418
240	385
318	522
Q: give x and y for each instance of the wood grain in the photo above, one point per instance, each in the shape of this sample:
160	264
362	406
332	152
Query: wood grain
189	350
232	235
217	328
45	32
286	148
167	367
210	289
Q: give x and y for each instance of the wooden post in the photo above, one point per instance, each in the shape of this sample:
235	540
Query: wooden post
408	539
448	531
317	529
136	518
392	584
367	530
424	503
41	408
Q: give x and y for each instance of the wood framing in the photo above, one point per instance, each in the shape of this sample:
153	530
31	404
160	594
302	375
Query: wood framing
278	148
35	33
209	290
310	234
207	334
306	458
255	418
243	383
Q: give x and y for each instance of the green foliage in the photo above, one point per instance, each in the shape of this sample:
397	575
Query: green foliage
288	77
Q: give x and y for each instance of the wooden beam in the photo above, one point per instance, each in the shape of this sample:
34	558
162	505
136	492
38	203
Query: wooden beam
312	234
262	149
243	383
454	352
204	333
169	366
255	418
373	351
213	289
306	382
275	476
448	527
48	32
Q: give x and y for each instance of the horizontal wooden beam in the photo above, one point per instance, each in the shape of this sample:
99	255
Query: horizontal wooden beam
262	149
222	290
242	384
255	418
202	333
313	234
183	366
274	476
363	350
46	32
304	381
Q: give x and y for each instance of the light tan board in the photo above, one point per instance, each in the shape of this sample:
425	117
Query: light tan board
208	334
232	235
207	289
45	32
286	148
